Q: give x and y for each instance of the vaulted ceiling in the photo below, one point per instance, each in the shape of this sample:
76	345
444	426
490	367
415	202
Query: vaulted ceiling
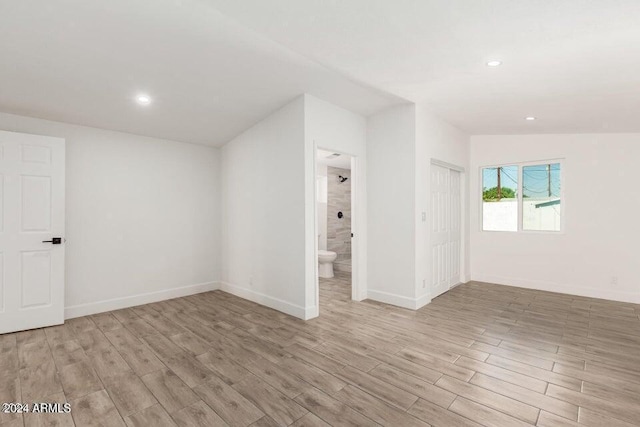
215	67
572	64
209	77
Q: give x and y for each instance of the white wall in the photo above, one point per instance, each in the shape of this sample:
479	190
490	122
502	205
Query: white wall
262	172
401	143
264	219
391	183
436	139
321	214
600	240
150	219
142	216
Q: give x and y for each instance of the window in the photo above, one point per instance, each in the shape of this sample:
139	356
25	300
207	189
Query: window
522	197
541	197
500	198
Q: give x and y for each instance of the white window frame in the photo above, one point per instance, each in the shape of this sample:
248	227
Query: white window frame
521	166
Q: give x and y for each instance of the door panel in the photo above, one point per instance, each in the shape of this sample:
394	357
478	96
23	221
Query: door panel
1	283
35	272
36	203
36	154
455	227
445	229
31	211
1	198
439	229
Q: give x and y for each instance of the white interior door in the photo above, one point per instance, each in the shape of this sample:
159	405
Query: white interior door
31	213
439	230
445	229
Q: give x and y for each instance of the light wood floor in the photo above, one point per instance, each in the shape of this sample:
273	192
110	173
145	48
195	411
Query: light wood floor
480	354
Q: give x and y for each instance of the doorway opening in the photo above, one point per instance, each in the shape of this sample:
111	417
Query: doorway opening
446	226
335	196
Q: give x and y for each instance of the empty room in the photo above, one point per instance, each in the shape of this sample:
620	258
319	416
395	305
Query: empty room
319	213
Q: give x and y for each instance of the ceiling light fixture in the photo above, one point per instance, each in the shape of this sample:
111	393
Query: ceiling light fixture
143	99
530	118
494	63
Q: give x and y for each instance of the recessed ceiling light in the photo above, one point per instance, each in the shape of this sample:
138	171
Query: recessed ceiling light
494	63
143	99
530	118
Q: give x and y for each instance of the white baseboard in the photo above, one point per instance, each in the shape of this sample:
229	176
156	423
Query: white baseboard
398	300
271	302
311	312
608	294
422	301
361	297
130	301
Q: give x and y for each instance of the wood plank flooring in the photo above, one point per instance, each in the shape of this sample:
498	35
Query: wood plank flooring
480	354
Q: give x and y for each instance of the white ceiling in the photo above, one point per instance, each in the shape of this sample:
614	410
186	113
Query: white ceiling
574	64
215	67
324	157
210	78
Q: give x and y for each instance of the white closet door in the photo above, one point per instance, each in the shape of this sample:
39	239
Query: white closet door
454	227
31	216
440	241
445	229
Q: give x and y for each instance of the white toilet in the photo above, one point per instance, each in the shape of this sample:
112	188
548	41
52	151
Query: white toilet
325	263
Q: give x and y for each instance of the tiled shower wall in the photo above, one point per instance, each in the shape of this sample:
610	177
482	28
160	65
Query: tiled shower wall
339	200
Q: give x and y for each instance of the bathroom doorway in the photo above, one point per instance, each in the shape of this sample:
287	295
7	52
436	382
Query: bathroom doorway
334	224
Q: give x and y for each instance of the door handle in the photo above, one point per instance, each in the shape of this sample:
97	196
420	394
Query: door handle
54	241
